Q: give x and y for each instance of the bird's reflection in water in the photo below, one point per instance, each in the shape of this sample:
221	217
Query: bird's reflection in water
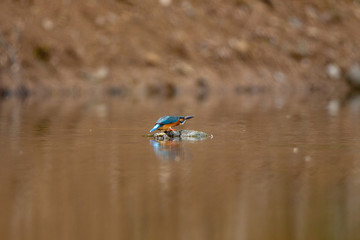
168	150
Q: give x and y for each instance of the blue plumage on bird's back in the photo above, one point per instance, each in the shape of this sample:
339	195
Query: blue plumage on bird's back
167	119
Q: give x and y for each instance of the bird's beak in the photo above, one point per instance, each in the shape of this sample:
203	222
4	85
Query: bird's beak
188	117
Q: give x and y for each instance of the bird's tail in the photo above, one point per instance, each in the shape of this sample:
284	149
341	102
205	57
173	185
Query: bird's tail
155	127
188	117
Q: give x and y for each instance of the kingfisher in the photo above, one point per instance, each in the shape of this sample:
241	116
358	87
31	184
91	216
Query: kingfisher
167	122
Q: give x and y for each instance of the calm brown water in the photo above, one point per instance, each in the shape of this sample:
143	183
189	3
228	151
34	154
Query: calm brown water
275	169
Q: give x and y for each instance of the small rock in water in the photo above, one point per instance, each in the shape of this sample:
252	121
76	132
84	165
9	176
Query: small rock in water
193	134
353	75
185	135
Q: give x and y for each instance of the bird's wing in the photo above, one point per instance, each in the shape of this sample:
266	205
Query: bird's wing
167	119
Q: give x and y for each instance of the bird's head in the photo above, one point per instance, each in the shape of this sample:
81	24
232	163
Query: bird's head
182	119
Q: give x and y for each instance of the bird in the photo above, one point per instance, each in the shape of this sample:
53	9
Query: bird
167	122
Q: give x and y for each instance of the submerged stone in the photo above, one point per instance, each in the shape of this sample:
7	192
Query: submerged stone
189	135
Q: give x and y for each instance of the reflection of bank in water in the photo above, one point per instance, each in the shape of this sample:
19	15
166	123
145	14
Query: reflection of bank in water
168	145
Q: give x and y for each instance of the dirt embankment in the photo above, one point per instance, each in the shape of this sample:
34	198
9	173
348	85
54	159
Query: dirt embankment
167	47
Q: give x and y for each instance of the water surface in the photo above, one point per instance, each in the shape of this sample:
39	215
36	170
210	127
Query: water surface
274	169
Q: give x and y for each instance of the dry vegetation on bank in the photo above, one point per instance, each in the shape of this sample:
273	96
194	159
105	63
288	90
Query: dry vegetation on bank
164	47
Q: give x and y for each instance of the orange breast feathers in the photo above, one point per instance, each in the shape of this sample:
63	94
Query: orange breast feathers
169	125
